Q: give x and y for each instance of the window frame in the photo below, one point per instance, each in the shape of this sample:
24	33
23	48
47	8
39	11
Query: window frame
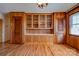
72	24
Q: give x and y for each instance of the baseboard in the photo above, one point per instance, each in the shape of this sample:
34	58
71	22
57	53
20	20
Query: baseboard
8	41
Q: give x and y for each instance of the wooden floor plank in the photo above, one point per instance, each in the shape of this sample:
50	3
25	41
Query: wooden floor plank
38	49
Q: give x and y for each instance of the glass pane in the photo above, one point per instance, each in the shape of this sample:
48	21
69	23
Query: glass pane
75	30
42	19
35	19
78	18
74	20
74	24
49	18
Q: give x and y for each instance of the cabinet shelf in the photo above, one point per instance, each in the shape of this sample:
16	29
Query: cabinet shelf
38	28
38	23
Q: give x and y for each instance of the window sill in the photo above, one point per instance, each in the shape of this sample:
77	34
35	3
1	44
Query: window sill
73	35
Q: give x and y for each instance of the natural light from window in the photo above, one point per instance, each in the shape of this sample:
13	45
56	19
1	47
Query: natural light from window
74	24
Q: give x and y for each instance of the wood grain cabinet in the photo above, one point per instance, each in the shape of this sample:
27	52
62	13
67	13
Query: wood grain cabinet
39	23
41	39
39	28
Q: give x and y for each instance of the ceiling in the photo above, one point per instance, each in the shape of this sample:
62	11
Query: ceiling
32	7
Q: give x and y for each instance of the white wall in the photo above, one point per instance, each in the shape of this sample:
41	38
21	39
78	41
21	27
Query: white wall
3	27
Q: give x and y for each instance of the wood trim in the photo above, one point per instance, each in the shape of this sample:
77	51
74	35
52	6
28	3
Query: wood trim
71	40
73	11
10	15
69	14
38	13
1	23
59	16
52	30
74	7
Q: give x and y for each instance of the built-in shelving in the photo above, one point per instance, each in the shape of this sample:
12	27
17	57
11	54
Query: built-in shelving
29	21
38	23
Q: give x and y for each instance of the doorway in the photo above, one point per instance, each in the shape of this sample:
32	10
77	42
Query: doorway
16	36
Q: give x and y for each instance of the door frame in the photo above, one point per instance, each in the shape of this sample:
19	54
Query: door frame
20	14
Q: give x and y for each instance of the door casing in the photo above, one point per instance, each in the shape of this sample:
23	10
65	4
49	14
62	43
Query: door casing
16	29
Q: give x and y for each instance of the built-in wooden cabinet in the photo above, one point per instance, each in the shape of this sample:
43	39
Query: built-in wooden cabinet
39	23
29	21
41	39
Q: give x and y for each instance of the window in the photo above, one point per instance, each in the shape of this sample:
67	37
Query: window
74	24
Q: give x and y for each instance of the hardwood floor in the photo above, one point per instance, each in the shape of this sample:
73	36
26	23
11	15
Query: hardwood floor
31	49
64	50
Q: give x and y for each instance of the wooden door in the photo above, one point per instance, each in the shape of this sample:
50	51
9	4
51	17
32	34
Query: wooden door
0	30
17	29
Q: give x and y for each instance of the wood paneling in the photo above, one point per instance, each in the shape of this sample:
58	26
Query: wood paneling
59	19
17	29
10	24
0	30
17	38
7	27
71	39
42	39
57	16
